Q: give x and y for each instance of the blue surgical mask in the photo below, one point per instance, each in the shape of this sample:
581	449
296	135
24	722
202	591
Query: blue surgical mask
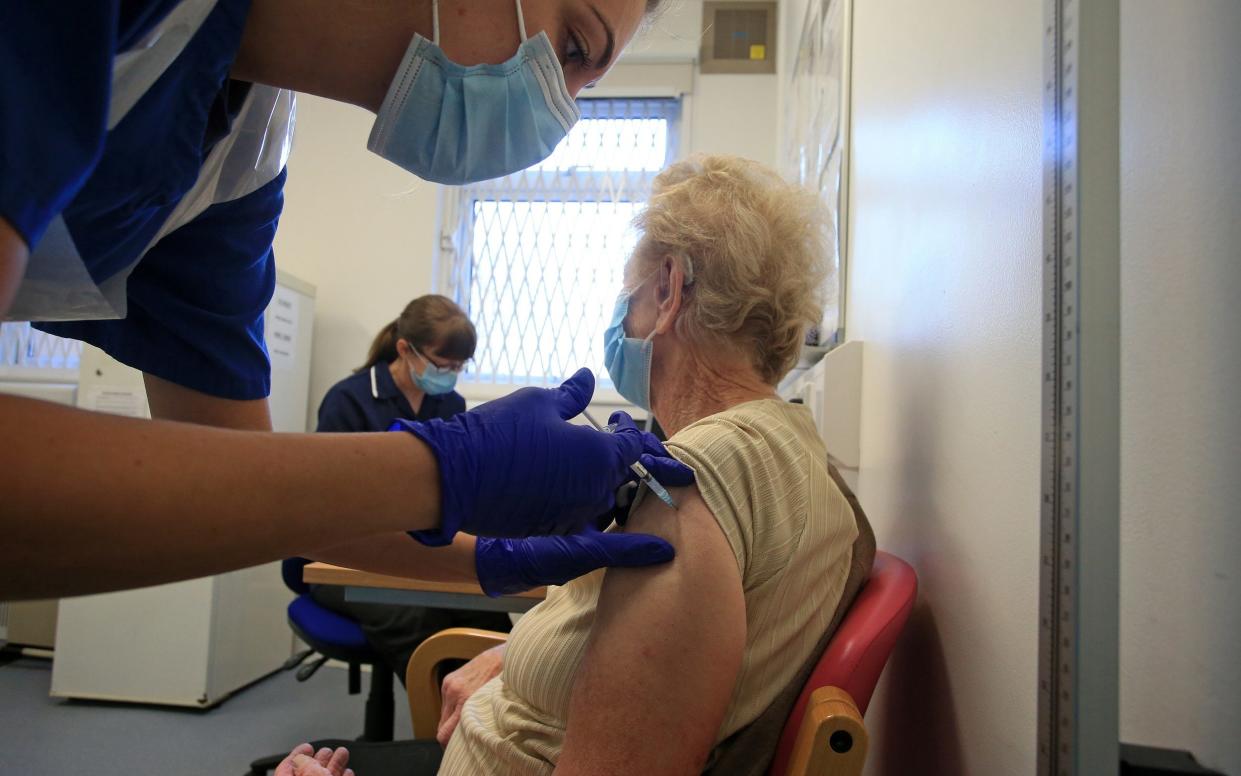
628	359
434	380
453	124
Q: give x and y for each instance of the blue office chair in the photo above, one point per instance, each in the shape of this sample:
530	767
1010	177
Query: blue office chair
334	637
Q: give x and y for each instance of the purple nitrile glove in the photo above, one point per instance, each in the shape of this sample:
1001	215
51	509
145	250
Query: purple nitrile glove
670	472
507	566
516	467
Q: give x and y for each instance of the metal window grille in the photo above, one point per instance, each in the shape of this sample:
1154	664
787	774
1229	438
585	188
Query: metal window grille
537	257
24	347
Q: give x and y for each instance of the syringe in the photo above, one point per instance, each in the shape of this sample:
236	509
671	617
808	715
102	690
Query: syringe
638	469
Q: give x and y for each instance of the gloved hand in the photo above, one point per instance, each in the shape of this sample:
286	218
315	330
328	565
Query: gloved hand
670	472
507	566
515	467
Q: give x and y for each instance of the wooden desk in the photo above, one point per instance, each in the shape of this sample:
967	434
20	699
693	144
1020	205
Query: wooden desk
367	588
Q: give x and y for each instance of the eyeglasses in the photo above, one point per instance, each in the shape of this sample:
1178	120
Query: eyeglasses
452	366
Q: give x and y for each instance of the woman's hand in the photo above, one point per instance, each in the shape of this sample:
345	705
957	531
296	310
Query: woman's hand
461	684
325	762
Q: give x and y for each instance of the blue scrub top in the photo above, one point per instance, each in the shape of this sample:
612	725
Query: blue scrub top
195	301
370	400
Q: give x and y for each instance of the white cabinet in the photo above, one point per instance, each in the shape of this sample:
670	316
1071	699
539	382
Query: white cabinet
189	643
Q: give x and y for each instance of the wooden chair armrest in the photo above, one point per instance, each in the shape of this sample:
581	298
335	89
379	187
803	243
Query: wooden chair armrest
832	740
422	682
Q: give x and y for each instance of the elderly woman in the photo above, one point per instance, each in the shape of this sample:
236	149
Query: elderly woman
649	670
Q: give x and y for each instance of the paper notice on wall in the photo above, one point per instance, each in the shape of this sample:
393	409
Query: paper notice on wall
282	328
116	400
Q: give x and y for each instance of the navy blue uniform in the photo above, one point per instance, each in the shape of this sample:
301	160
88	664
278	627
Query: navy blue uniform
369	401
145	182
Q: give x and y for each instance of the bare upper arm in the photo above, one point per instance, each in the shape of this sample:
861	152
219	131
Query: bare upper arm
664	653
170	401
13	257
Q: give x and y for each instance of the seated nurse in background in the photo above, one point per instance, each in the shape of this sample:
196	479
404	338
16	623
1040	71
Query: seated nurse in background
648	670
409	374
410	371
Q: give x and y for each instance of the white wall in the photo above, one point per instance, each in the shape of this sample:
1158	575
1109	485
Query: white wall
1181	377
363	231
945	284
356	226
945	292
728	113
735	114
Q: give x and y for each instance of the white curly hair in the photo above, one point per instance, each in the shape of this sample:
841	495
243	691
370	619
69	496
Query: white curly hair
756	248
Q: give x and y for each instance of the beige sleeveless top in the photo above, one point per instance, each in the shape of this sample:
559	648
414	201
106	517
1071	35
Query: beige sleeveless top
762	470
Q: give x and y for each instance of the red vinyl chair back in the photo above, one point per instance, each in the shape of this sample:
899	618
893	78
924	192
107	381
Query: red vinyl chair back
858	651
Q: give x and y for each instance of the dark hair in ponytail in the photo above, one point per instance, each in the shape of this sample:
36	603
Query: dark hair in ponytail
430	321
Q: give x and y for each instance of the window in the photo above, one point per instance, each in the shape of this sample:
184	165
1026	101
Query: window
537	257
25	348
815	142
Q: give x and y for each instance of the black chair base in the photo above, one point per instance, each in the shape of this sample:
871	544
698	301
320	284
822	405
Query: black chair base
379	703
380	715
371	758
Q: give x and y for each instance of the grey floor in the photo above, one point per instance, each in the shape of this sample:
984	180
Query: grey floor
41	735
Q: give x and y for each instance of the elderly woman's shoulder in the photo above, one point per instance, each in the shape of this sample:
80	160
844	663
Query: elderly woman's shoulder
755	426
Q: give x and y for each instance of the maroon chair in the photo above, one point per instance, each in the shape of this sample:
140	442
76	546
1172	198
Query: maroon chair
824	734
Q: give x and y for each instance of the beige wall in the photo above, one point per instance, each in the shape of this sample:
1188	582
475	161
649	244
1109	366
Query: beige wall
945	291
358	228
735	114
363	231
1181	377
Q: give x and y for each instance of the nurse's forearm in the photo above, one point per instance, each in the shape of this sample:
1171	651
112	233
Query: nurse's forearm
399	555
92	502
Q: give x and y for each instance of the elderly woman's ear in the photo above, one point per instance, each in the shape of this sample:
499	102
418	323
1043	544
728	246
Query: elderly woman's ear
670	294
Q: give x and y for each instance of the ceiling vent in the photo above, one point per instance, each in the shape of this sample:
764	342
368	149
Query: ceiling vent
738	37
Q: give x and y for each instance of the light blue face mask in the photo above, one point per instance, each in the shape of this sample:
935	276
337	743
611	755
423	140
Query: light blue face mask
628	359
434	380
452	124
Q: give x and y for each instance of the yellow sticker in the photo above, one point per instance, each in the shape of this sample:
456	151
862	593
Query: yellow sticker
758	51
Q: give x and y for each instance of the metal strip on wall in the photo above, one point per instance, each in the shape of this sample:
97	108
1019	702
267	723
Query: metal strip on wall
1078	706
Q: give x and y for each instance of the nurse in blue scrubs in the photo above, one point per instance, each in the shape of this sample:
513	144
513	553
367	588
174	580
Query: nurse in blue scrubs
409	374
410	371
142	166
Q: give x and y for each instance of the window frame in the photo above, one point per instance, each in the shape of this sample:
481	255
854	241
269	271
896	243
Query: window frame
16	367
455	214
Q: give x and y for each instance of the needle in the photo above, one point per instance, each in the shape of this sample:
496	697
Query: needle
659	490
